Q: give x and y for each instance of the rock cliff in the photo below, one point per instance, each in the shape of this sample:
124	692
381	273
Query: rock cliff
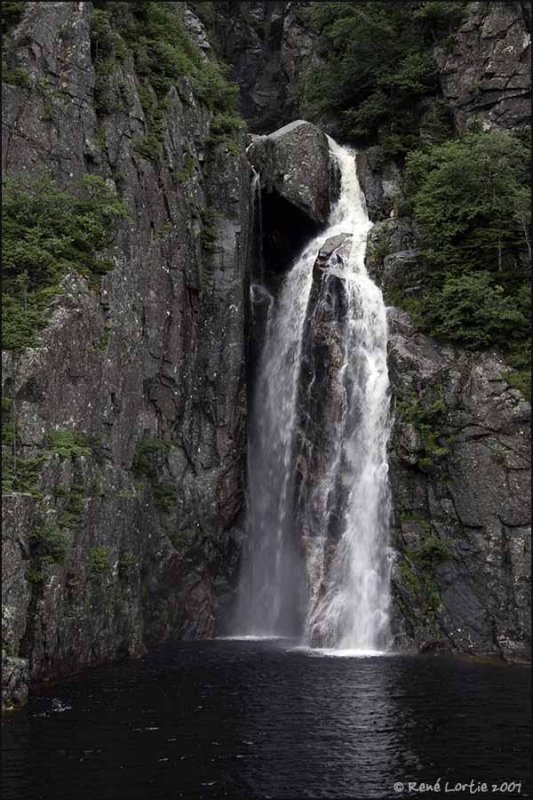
460	444
485	73
460	474
268	44
460	449
147	371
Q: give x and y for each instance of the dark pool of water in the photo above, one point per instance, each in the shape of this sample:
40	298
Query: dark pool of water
229	719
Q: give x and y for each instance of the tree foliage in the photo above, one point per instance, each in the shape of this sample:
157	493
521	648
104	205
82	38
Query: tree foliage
475	311
47	233
376	64
11	13
471	200
154	36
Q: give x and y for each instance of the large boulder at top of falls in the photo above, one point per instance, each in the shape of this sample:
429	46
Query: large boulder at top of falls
295	161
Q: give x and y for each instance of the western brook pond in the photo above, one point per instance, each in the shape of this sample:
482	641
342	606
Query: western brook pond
267	719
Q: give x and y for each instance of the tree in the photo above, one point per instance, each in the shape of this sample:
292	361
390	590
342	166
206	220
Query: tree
473	310
470	198
376	63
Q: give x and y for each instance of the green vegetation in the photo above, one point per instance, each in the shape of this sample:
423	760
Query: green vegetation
12	73
165	495
100	138
471	200
225	128
52	98
426	414
47	233
67	31
189	168
127	565
150	146
22	474
105	338
48	545
430	552
475	311
149	460
72	514
9	429
209	236
69	444
99	560
417	572
164	230
520	379
35	576
376	66
155	37
16	76
150	454
11	15
423	588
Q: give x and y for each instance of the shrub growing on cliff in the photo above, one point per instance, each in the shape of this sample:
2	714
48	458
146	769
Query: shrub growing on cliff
150	456
474	311
22	474
163	53
99	560
226	128
48	545
165	495
470	198
12	13
426	415
47	233
69	444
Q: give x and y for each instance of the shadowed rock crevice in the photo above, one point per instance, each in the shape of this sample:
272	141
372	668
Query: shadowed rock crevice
285	232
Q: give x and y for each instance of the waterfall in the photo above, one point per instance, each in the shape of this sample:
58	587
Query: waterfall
258	221
317	555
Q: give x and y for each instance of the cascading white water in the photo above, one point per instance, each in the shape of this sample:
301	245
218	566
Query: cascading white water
342	591
269	597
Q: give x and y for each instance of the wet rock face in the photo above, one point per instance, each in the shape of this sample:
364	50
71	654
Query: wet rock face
393	257
487	75
322	393
268	45
380	183
285	230
149	367
460	478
